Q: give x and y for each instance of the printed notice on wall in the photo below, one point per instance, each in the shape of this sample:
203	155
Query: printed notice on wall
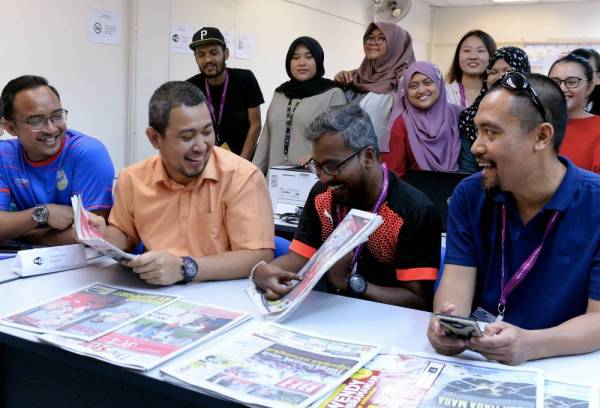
181	37
229	40
244	46
104	26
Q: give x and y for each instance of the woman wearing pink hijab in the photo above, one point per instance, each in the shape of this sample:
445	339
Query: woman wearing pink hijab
388	52
425	135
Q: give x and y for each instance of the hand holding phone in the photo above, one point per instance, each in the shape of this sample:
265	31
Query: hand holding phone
457	326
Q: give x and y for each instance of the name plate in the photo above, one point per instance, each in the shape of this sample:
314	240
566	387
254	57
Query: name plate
39	261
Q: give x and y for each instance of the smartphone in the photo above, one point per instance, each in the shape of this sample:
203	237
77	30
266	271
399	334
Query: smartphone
459	327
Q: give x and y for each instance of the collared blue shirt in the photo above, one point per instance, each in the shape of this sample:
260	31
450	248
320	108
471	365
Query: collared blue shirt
567	271
82	166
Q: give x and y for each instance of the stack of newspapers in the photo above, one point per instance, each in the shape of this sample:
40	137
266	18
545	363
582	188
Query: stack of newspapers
354	230
86	234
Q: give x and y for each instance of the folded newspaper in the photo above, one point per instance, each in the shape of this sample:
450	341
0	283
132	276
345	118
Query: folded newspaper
157	337
354	229
402	380
88	313
86	234
268	365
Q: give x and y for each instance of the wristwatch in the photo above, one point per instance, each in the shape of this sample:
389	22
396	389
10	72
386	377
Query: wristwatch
357	284
40	215
189	269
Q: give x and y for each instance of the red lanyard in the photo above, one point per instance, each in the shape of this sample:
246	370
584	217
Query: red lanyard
211	108
375	210
525	267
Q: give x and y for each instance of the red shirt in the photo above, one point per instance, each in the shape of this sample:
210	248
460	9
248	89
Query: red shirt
581	144
400	157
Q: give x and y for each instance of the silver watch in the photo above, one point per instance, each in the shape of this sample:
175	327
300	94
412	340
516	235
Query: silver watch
40	215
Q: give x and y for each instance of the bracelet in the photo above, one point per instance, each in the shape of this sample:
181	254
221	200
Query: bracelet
254	270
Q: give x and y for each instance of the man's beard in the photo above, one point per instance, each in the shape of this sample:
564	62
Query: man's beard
219	72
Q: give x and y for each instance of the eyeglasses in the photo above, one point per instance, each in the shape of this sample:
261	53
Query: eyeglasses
329	169
38	123
518	82
374	40
494	73
570	82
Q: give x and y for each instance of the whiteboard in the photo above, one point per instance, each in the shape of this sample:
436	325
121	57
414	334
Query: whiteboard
541	56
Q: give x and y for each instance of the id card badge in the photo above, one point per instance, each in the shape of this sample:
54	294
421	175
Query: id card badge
482	315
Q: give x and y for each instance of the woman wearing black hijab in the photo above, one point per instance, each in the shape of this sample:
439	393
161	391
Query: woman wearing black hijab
295	104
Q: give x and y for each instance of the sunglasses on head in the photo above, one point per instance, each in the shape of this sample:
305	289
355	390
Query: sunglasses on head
516	81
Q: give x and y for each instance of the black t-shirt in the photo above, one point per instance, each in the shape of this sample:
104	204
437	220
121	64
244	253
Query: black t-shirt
406	247
243	92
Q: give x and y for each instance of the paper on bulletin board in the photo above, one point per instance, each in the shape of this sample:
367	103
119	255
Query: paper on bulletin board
104	26
181	37
229	39
244	46
541	56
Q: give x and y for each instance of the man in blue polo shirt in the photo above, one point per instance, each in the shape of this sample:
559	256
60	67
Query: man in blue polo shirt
45	165
523	253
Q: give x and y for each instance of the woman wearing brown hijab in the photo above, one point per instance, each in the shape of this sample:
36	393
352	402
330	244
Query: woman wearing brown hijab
388	52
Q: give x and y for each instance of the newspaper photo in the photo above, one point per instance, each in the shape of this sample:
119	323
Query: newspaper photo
157	337
87	235
354	229
265	364
560	394
465	383
89	312
388	381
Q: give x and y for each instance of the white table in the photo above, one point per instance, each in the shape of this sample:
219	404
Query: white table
321	312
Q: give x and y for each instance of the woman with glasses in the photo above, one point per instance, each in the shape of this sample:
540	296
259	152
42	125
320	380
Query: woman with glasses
592	56
294	106
581	144
505	59
388	52
425	135
463	80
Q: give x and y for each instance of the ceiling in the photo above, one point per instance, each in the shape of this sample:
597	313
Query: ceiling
446	3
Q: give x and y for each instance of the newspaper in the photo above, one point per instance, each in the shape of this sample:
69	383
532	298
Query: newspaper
86	234
155	338
354	229
388	381
561	394
265	364
89	312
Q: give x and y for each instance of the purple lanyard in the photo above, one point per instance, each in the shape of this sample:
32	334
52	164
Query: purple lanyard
211	108
463	96
375	210
524	269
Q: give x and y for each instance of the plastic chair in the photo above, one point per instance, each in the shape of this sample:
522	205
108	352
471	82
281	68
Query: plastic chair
282	246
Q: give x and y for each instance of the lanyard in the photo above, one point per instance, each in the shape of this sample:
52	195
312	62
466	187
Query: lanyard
375	210
463	96
211	108
288	125
524	269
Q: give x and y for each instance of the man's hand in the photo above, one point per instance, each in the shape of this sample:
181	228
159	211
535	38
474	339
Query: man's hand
443	344
60	217
274	281
504	343
343	77
340	272
157	267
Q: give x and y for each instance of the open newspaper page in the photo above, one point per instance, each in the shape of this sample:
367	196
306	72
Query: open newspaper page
157	337
388	381
89	312
265	364
560	394
354	229
86	234
466	383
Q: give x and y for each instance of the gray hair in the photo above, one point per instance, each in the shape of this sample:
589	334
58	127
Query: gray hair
168	96
350	121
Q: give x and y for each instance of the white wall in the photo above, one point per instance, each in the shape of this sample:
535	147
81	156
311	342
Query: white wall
49	38
515	25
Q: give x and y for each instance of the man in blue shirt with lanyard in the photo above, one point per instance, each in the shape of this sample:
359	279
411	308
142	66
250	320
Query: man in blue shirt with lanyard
523	253
233	95
45	165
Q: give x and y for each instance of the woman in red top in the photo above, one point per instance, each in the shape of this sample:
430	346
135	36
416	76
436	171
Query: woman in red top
581	144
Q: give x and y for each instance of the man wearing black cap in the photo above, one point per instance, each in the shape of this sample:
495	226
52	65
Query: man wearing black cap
233	95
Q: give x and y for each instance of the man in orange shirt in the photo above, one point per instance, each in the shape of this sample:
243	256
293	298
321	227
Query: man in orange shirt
203	213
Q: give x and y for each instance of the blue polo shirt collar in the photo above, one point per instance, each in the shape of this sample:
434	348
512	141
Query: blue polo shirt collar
563	196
